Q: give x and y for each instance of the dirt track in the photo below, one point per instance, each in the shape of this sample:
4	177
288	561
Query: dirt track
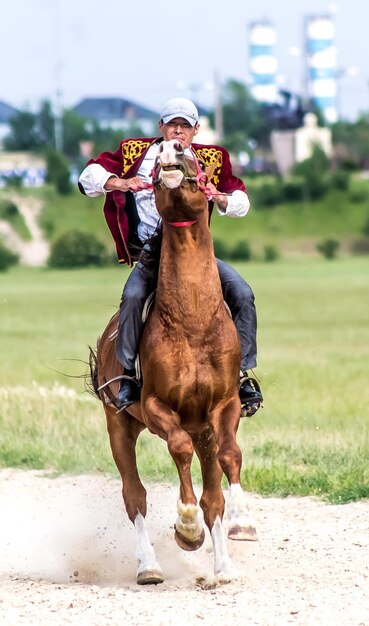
67	557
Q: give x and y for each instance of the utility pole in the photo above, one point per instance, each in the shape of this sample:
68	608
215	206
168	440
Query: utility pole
218	107
58	122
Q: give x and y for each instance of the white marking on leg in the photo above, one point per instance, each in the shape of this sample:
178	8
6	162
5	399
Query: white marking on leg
223	567
237	508
188	523
146	559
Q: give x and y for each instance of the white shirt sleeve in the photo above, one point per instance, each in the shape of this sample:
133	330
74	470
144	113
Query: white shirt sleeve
93	179
238	205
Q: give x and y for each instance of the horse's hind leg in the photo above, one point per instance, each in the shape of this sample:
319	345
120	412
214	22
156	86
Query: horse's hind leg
212	501
123	433
189	533
241	527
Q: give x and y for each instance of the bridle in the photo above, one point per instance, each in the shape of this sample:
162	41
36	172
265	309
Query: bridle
200	178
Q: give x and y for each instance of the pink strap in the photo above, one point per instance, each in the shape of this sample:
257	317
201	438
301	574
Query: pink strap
181	224
144	186
201	181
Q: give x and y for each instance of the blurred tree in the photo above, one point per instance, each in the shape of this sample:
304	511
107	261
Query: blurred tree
36	132
23	132
58	172
74	131
105	138
45	124
314	172
351	142
242	117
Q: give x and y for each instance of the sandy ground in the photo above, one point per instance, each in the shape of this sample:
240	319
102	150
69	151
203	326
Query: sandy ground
67	557
36	251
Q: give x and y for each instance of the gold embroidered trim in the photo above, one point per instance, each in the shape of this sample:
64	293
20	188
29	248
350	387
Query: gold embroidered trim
210	156
131	151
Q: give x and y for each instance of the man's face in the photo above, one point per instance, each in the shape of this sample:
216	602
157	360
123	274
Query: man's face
179	129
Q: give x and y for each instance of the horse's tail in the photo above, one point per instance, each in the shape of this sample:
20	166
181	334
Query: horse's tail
93	384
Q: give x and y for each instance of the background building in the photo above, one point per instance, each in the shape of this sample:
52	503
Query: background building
262	60
293	146
321	77
117	113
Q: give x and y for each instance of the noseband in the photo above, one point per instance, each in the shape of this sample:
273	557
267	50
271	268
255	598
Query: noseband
200	179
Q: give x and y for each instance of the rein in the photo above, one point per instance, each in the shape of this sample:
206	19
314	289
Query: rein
200	179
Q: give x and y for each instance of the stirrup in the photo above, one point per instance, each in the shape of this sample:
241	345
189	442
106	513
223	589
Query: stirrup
253	381
127	403
105	387
249	408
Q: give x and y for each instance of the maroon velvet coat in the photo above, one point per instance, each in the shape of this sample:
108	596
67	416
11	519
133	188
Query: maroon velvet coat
125	163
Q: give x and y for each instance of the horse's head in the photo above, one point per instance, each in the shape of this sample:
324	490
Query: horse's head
179	184
173	165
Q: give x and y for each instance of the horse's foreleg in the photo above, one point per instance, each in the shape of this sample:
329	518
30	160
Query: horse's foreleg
160	420
240	526
212	501
149	571
123	433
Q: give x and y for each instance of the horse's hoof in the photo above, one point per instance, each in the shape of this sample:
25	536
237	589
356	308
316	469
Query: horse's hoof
186	544
240	533
150	577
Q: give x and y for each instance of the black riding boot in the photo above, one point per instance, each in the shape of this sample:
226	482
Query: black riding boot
129	391
250	394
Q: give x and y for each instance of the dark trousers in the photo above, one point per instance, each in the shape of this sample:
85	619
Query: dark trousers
236	292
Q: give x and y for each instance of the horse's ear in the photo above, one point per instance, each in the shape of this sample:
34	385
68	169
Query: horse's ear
209	170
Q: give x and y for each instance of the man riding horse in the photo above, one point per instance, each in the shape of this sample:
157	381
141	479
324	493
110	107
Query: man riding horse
130	211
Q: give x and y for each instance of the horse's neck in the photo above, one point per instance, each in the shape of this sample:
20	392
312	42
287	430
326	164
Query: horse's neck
188	281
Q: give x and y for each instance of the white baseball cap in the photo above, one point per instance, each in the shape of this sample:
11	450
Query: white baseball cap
180	107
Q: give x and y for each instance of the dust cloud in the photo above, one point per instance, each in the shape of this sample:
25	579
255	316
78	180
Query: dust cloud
70	529
67	553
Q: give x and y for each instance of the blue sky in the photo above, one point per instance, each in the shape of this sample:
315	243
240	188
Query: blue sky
149	51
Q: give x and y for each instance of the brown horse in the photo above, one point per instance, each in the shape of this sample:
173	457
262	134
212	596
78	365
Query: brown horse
190	364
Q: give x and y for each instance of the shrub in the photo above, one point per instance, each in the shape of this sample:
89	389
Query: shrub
314	172
267	195
7	258
241	251
358	195
314	166
78	249
8	209
270	253
316	187
293	189
328	248
340	179
349	164
221	250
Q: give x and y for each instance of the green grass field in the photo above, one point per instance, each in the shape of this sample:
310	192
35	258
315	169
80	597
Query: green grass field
312	437
293	228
